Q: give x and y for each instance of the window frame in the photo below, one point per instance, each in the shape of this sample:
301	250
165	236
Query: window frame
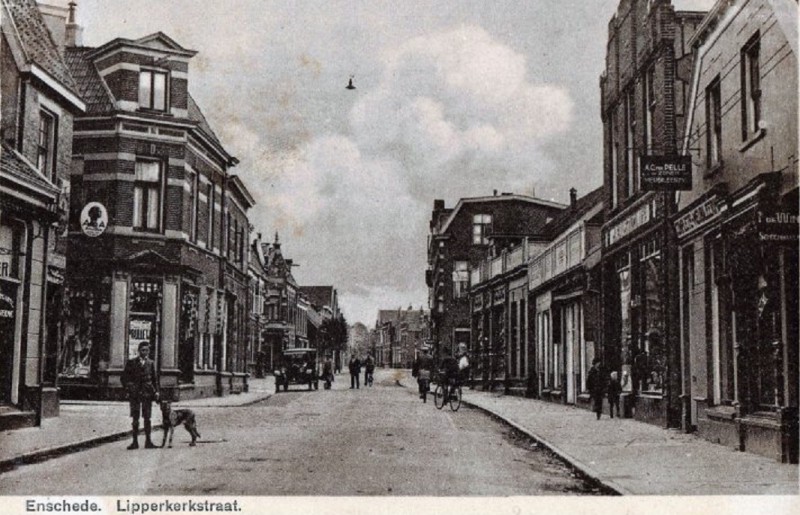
144	199
481	228
714	123
49	148
150	104
751	86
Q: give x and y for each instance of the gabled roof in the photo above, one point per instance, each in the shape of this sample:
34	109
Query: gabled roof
21	171
91	87
23	24
154	41
495	198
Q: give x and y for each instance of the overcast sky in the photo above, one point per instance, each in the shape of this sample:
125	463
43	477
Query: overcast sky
453	99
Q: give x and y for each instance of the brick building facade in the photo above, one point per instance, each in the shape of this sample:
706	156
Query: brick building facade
644	91
38	101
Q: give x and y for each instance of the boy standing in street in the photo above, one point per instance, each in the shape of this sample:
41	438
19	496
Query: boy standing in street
139	379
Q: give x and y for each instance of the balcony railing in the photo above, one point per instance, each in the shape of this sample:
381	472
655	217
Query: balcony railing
504	263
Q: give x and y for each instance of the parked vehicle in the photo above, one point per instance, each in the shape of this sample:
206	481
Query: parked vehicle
297	366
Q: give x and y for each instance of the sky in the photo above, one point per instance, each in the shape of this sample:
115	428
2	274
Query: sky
452	100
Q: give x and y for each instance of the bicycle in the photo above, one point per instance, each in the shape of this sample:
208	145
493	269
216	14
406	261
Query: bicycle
447	393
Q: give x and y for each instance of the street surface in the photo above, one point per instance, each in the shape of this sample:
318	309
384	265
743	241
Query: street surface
373	441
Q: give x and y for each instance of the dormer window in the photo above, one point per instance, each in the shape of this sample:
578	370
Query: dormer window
153	90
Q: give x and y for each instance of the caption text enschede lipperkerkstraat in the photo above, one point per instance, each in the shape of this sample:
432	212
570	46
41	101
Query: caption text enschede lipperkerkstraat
131	507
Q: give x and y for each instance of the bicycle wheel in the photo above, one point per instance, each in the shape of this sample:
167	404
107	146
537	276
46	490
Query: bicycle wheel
438	397
455	398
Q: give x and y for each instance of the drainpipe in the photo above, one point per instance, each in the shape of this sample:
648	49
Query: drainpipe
43	325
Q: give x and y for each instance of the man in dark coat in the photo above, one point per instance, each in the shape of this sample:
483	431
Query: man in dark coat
139	378
355	370
597	387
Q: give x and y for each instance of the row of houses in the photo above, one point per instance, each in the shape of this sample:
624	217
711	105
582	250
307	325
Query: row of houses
398	336
691	295
121	221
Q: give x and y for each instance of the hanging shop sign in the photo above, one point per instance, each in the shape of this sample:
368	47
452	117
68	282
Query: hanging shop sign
94	219
666	173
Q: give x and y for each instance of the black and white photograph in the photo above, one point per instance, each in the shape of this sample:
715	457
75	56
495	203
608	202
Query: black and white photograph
358	256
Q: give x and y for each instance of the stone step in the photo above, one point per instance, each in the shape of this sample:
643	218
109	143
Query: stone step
12	418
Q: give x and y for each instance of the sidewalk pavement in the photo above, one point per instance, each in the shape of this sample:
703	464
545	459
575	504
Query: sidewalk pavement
635	458
83	424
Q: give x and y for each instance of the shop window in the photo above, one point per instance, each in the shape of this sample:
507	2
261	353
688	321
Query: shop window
460	279
481	228
650	359
153	90
147	192
751	87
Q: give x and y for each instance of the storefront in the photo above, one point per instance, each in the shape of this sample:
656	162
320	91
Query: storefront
636	305
739	259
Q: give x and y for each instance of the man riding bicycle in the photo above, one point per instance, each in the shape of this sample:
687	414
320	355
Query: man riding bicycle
454	369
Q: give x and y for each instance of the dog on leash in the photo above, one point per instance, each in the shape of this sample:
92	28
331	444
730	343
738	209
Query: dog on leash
172	418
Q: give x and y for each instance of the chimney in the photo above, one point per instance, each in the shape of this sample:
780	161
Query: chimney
74	32
533	191
438	204
573	196
495	193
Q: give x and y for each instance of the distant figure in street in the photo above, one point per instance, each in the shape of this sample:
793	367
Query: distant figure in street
327	372
421	369
614	390
139	379
355	370
369	369
463	363
596	386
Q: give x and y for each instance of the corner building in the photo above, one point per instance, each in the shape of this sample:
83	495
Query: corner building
170	264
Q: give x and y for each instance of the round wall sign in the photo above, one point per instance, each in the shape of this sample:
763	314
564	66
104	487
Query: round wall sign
94	219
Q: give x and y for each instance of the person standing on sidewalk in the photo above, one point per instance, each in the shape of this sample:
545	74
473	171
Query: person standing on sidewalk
355	370
597	387
140	380
614	391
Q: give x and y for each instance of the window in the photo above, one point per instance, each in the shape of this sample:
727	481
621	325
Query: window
630	145
194	205
612	127
211	200
153	90
147	196
46	148
460	279
649	108
751	87
714	124
481	226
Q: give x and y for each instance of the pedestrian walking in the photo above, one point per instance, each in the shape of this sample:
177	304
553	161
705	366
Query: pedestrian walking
614	391
421	369
139	379
355	370
597	387
369	369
